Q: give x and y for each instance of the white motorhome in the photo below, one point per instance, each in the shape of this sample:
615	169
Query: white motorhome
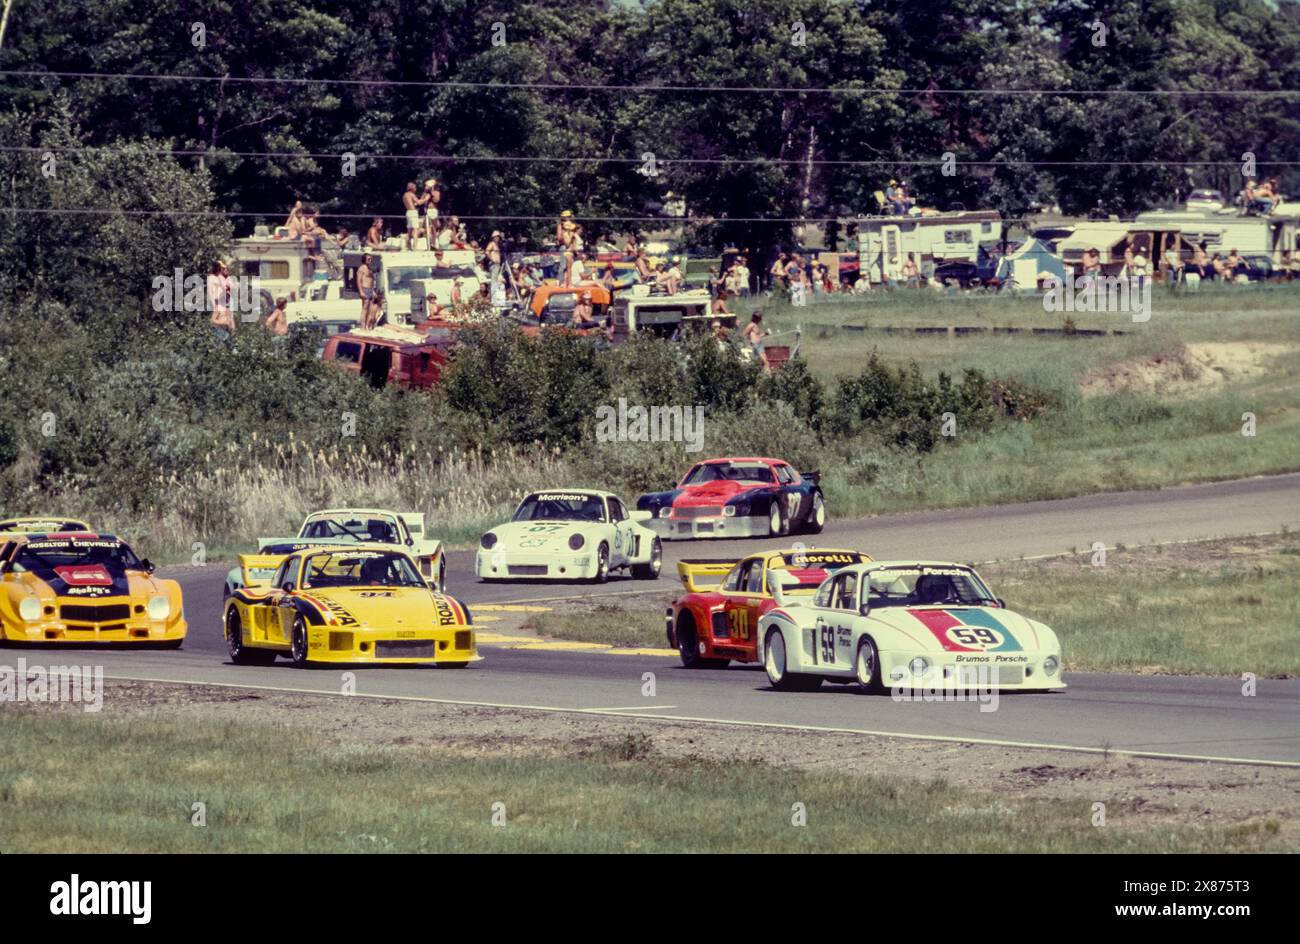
884	242
283	267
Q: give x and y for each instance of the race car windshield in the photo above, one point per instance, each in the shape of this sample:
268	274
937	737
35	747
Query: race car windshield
360	569
378	530
42	555
544	507
729	472
928	586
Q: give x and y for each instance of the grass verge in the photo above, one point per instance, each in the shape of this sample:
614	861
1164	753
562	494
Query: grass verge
280	788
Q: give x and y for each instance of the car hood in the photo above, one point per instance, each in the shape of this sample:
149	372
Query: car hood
511	533
716	493
949	629
376	606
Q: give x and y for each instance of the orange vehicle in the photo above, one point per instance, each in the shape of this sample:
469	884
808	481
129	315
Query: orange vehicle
390	355
554	304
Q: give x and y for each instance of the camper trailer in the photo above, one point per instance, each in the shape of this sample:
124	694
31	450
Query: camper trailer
1262	240
884	242
283	267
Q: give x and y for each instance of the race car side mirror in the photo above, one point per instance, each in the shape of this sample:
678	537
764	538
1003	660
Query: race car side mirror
1002	604
287	588
410	542
864	609
147	566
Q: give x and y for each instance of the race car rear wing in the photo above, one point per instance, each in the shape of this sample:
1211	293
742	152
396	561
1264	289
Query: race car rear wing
258	569
701	575
414	523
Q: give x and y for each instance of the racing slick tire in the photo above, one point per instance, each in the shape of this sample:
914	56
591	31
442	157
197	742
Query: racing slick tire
774	665
298	643
688	647
602	564
239	653
816	515
650	569
866	666
776	524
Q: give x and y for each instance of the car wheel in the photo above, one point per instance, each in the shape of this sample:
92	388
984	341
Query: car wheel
650	570
602	563
866	666
774	662
298	642
776	519
817	517
688	647
239	653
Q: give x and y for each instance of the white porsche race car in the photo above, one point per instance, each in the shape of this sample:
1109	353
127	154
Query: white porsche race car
906	625
570	535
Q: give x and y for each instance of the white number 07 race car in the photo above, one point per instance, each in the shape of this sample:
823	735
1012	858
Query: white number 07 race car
907	625
570	535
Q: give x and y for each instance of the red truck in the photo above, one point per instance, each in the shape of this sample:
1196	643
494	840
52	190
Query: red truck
391	355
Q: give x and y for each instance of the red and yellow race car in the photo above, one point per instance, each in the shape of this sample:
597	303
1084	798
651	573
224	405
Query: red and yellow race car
78	587
716	620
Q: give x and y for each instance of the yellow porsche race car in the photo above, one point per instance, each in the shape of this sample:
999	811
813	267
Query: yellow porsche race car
79	587
363	603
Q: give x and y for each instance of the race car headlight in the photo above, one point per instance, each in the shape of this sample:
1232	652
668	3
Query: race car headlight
30	609
488	541
159	608
576	541
1051	664
729	511
919	666
665	511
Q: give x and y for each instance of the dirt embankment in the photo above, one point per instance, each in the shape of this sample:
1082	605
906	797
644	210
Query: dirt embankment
1187	369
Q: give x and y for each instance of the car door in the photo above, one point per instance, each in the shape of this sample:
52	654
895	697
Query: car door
793	495
834	624
281	623
740	611
624	533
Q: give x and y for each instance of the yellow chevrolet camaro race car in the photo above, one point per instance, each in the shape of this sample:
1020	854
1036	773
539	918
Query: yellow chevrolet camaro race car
78	587
364	603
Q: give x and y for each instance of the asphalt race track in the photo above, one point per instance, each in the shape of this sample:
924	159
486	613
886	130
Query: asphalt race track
1191	717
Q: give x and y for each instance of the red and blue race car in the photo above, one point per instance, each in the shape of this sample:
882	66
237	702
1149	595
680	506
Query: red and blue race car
737	498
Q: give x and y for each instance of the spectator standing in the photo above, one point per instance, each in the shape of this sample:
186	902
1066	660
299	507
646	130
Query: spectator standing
366	288
411	204
277	322
222	319
753	335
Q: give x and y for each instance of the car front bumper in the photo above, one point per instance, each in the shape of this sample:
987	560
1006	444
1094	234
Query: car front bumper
954	671
454	644
501	564
712	526
126	632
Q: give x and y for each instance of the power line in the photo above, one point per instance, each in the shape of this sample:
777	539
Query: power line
844	219
219	154
638	89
